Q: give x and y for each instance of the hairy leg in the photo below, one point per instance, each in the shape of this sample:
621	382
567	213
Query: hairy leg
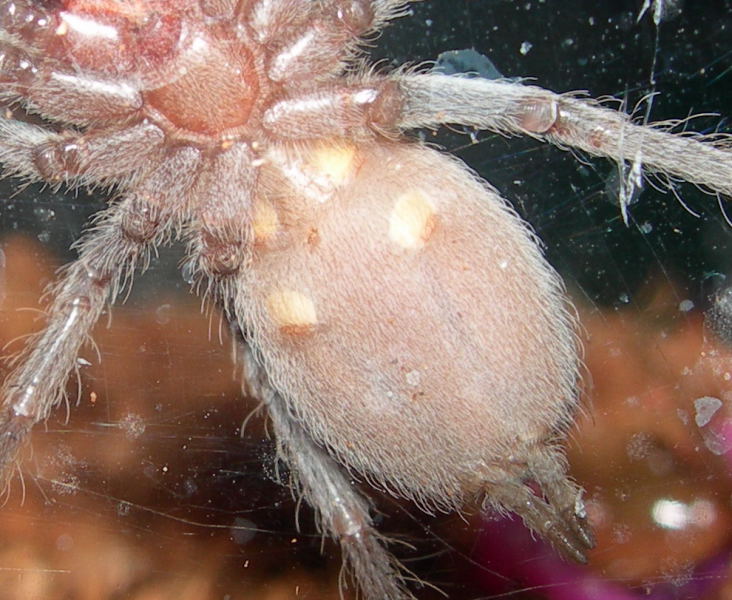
103	158
342	512
432	100
219	233
30	71
315	41
271	20
109	253
354	111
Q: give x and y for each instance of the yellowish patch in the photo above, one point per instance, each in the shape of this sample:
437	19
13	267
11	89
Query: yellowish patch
335	162
412	220
266	222
293	311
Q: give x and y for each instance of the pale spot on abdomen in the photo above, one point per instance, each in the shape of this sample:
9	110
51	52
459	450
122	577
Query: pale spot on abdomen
292	311
334	162
266	223
412	220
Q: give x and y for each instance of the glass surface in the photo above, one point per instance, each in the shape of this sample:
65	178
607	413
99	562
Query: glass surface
145	487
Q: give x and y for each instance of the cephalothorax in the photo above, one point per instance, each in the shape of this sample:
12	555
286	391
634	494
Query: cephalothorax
399	317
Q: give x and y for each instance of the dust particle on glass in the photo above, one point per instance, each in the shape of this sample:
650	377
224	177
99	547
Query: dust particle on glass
718	318
468	62
706	407
133	425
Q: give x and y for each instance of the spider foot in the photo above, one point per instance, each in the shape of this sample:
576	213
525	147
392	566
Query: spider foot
14	432
563	523
570	533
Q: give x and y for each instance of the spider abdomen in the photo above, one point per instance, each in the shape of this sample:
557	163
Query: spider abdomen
407	316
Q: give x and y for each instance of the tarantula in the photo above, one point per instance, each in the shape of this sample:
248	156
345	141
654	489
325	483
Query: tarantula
400	321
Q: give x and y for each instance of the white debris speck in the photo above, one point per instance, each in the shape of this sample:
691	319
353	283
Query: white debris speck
133	425
413	378
639	445
705	407
715	443
162	314
525	47
243	531
686	305
622	533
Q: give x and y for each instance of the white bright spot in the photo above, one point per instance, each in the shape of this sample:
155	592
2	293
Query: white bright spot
670	514
88	27
365	96
200	45
97	86
525	48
